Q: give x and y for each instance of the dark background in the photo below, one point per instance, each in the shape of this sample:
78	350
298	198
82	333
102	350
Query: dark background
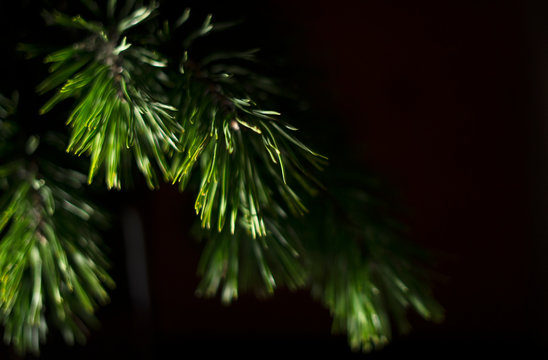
448	102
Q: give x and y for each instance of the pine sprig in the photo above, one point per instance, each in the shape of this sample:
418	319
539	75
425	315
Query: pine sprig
248	162
241	168
119	114
248	157
51	268
359	270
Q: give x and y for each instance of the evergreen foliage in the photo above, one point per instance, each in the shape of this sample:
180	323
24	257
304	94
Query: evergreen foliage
201	121
51	264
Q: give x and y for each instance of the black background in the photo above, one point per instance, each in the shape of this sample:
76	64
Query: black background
448	102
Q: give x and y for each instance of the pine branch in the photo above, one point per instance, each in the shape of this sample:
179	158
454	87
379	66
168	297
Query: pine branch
204	119
246	153
119	113
51	268
249	161
360	267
